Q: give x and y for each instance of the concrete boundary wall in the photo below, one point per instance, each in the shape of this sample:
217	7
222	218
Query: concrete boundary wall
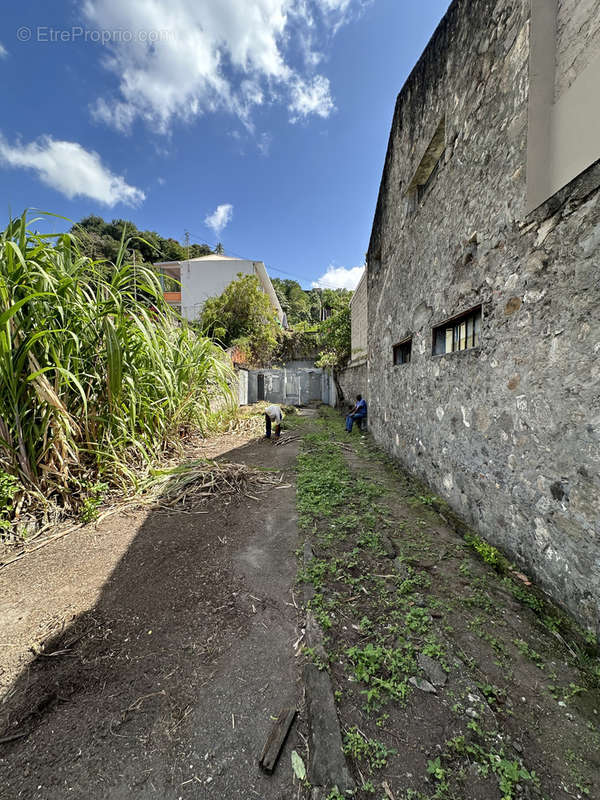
563	127
295	385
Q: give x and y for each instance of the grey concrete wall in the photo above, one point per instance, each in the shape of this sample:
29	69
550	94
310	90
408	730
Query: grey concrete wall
564	112
577	40
290	385
509	432
242	386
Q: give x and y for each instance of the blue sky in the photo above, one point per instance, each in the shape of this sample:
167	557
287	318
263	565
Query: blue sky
259	123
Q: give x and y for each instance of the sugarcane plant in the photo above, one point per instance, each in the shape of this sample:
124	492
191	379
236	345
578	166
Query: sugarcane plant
98	375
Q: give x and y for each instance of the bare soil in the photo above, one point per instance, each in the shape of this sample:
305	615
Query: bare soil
145	657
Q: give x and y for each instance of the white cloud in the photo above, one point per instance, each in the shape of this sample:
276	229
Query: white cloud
220	218
339	278
71	170
209	55
311	98
3	51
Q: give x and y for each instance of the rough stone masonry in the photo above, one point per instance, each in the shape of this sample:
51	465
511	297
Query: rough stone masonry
506	428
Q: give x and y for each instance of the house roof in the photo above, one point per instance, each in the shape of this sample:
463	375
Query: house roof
211	257
216	257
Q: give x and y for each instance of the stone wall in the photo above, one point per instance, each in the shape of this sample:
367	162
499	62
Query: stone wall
353	381
508	432
358	306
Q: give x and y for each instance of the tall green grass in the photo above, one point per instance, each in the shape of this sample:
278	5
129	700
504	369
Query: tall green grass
97	374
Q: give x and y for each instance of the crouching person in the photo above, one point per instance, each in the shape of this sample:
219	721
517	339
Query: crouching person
358	412
273	416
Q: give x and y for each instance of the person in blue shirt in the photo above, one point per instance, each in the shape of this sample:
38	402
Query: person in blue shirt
358	412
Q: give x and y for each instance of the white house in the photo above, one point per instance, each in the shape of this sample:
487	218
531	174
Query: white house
208	276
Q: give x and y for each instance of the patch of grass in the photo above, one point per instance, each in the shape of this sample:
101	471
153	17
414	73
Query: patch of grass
479	599
90	505
316	571
371	540
492	693
434	649
385	670
565	693
362	748
529	653
487	552
99	376
316	659
510	773
9	486
425	499
322	614
418	620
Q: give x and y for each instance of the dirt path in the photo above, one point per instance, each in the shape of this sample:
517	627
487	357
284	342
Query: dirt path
168	645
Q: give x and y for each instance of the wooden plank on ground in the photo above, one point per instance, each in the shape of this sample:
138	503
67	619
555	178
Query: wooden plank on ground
276	739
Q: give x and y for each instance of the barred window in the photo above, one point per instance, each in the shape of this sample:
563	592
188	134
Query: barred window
462	332
402	352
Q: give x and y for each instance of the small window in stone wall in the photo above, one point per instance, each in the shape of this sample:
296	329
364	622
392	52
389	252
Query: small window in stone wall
422	188
427	170
462	332
402	352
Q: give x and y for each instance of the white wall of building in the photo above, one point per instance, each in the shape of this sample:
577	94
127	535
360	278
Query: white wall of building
208	277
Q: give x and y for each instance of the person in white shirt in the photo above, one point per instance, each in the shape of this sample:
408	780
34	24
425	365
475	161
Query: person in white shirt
273	416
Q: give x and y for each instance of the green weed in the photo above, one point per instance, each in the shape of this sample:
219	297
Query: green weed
9	486
384	670
361	748
490	554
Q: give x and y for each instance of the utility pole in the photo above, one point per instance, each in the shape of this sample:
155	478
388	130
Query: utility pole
187	243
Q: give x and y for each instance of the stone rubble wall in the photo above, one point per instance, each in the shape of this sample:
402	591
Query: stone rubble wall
508	433
353	381
359	317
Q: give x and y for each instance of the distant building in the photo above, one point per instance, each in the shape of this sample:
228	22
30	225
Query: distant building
188	284
358	319
483	283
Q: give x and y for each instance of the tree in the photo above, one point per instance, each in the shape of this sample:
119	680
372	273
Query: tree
243	316
294	300
335	341
101	240
306	305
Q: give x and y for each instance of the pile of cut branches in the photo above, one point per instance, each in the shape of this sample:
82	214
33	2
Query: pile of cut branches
187	485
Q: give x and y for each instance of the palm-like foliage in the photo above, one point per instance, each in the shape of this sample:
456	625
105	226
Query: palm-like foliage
96	371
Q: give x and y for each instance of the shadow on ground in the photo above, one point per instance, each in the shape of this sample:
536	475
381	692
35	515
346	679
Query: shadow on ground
166	687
